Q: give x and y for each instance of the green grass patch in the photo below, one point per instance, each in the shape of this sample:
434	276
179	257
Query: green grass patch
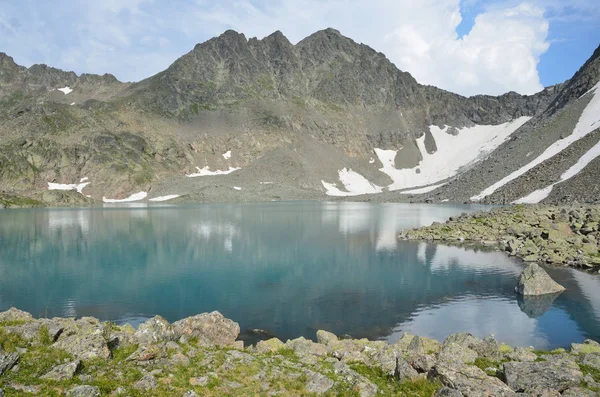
589	370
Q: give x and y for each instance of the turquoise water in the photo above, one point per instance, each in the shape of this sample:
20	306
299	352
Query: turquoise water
287	268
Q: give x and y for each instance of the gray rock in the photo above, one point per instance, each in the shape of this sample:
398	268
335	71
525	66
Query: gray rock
209	328
15	315
63	371
1	393
535	281
521	354
404	371
7	361
84	347
190	393
454	354
154	330
304	347
470	381
326	338
591	360
558	375
84	391
148	353
579	392
588	346
542	392
318	383
422	363
385	359
416	346
269	346
447	392
148	382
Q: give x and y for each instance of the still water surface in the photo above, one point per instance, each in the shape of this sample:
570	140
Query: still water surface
287	268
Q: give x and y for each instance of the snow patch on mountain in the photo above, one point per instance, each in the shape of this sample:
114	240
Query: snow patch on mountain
65	90
207	172
227	155
134	197
540	194
588	122
164	198
453	152
78	187
354	183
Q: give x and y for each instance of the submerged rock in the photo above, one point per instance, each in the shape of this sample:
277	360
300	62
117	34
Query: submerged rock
535	281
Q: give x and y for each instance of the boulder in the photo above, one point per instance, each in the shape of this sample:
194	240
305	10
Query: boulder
84	391
269	346
304	347
579	392
522	354
154	330
209	328
404	371
454	354
84	347
317	383
447	392
470	381
385	359
558	375
7	361
148	382
326	338
535	281
63	371
588	346
14	315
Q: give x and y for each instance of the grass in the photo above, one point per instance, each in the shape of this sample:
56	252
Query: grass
389	386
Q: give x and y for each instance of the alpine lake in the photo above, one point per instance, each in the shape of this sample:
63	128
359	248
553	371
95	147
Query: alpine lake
283	269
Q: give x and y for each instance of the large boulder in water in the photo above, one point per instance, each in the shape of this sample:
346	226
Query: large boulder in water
535	281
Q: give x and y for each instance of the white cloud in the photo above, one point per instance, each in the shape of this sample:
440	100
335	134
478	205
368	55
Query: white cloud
135	39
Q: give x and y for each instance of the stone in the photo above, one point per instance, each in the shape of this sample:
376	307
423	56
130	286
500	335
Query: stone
7	361
180	360
269	346
303	346
199	381
454	354
470	381
447	392
119	391
326	338
318	383
84	391
558	375
209	328
154	330
148	382
416	346
148	352
543	392
579	392
15	315
591	360
404	371
190	393
385	359
535	281
422	363
588	346
63	371
84	347
522	354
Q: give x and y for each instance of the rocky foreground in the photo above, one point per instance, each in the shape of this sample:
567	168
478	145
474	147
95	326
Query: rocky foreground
555	235
200	356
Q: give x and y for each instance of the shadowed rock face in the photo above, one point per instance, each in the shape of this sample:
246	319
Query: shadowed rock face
535	281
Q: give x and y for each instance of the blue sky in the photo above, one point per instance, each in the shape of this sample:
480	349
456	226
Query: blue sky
465	46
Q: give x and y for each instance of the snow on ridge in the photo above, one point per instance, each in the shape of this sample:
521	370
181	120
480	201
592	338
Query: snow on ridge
354	183
207	172
84	179
134	197
164	198
227	155
453	153
540	194
65	90
237	188
68	186
588	122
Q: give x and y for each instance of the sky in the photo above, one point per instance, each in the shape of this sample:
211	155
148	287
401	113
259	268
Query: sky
465	46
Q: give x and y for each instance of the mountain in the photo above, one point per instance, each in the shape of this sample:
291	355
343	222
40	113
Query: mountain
249	119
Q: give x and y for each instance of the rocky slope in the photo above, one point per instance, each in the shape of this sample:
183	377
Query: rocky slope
327	116
199	355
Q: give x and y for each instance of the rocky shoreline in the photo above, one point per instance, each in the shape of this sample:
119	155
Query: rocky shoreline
557	235
201	356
